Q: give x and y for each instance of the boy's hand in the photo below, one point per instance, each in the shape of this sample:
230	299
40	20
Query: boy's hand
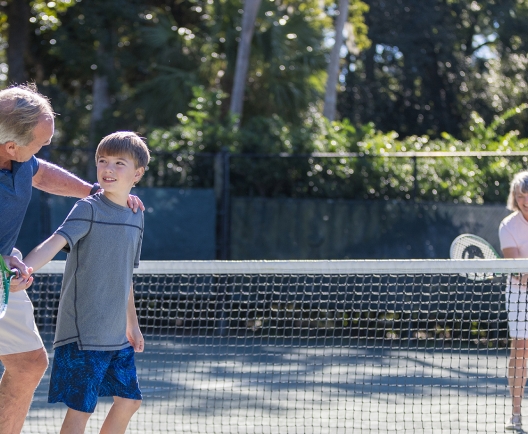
134	203
135	337
24	278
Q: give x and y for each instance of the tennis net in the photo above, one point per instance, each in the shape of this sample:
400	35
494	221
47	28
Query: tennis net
419	346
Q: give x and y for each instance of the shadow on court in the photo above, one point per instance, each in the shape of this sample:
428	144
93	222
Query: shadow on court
295	385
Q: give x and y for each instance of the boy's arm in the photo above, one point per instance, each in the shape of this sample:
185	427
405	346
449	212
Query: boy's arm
24	278
45	252
134	335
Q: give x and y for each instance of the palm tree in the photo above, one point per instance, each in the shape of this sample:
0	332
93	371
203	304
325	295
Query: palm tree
251	8
330	100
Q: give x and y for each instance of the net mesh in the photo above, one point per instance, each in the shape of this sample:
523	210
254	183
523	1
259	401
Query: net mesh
310	347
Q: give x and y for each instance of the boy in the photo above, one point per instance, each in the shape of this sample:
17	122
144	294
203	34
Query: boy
97	326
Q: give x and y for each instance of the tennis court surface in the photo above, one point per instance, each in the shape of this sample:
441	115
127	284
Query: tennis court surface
310	347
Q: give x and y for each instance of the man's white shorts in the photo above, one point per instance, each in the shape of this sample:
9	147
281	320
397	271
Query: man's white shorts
18	331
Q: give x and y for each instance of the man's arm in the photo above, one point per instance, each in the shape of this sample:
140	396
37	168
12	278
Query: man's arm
134	335
56	180
45	252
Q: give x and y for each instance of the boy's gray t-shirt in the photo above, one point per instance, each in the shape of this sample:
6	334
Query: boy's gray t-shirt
105	244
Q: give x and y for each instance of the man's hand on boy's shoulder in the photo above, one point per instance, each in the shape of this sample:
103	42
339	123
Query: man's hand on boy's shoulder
135	202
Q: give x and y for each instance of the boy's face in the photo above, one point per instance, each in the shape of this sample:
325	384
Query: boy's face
117	173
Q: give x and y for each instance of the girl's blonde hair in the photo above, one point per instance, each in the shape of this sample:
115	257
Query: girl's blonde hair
520	183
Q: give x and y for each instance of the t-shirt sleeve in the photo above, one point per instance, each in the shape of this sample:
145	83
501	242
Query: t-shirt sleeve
506	237
34	164
78	223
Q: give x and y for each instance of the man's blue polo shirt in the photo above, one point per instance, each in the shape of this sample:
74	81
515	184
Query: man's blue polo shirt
15	194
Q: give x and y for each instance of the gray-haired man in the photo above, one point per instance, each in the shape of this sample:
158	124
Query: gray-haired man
26	125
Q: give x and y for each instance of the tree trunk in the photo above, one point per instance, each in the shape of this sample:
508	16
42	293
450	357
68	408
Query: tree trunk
100	100
18	14
330	101
251	8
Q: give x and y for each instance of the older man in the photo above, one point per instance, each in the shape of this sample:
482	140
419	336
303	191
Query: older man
26	125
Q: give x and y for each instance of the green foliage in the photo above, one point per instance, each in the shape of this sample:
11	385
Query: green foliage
357	11
433	62
46	13
200	129
414	68
458	179
287	60
271	157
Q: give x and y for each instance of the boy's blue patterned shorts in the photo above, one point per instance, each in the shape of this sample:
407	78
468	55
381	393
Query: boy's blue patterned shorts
79	377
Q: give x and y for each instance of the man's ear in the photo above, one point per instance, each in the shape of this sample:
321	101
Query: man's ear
10	148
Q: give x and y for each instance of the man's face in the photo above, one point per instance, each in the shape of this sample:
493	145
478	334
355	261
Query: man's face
42	135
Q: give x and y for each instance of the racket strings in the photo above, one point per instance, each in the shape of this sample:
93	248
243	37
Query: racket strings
472	250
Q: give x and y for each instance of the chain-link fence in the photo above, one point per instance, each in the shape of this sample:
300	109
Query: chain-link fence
418	177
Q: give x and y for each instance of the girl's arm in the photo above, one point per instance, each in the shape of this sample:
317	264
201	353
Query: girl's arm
511	253
45	252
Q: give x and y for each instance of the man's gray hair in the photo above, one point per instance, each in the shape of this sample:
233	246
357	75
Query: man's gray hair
518	183
20	110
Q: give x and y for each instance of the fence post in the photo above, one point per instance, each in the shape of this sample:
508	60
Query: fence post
415	176
221	187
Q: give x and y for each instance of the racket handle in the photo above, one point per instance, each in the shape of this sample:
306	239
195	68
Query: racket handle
4	296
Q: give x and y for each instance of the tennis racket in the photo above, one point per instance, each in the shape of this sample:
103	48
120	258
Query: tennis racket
469	246
5	279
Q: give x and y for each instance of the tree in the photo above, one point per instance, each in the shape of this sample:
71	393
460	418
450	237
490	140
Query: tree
251	8
356	40
288	60
87	62
430	64
19	20
330	100
18	13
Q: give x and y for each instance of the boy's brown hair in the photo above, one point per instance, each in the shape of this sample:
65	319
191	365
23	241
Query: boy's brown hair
124	143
